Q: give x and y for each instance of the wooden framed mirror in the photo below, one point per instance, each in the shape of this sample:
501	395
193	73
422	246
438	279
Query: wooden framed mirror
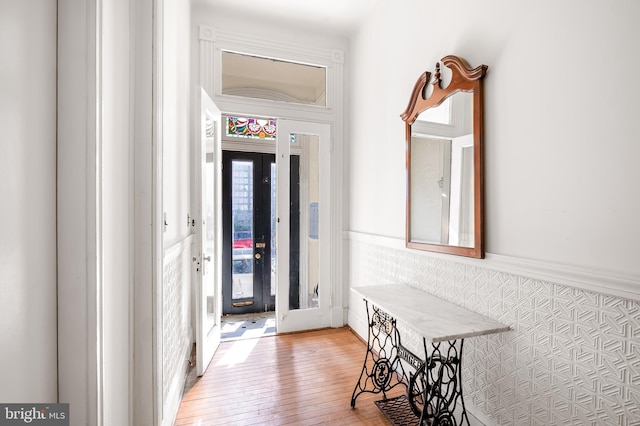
444	146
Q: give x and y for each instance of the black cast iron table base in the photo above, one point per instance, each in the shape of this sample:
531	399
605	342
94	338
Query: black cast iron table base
433	384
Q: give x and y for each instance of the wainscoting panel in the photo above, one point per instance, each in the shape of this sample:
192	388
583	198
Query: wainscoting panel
176	342
572	357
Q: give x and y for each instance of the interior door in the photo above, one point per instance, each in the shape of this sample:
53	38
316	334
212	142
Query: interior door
303	290
248	262
207	227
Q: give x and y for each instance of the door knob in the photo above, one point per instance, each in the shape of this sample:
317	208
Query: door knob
258	255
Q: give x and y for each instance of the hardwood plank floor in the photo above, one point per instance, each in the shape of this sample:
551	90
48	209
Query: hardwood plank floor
292	379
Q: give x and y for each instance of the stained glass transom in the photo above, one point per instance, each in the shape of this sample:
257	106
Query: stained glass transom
251	128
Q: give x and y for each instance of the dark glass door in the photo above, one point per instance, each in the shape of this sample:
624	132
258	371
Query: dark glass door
248	220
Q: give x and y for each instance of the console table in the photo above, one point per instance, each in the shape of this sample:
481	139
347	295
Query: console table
433	382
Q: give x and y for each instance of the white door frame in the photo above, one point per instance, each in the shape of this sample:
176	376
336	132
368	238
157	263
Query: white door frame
79	284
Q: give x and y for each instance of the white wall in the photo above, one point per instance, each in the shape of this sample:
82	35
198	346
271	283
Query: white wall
561	121
28	196
176	119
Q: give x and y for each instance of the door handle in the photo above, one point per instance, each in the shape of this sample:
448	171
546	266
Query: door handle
258	255
207	258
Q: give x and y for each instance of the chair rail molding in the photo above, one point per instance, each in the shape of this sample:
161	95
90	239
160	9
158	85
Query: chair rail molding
594	280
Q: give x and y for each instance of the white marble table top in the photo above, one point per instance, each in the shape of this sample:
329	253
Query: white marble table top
433	318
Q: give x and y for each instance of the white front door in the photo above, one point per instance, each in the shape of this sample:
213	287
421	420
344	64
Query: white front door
208	230
303	287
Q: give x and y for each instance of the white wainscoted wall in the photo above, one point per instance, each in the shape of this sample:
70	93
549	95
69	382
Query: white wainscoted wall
572	357
562	199
176	330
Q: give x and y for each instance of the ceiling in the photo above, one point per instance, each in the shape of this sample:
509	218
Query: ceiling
338	17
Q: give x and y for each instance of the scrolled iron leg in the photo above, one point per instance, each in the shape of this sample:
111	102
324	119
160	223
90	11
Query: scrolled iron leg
435	389
379	368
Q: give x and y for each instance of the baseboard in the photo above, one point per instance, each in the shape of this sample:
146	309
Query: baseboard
337	317
476	418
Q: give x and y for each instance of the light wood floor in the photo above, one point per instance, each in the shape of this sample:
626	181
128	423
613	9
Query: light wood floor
293	379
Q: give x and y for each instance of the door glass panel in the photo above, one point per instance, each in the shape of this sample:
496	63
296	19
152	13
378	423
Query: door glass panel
307	244
273	229
209	230
242	226
248	219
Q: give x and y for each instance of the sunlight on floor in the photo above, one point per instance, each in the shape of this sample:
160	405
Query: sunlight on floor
238	353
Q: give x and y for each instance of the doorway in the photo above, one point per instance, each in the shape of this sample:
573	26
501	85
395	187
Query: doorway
248	255
249	232
273	222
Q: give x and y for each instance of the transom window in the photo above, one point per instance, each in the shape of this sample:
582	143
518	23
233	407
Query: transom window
273	79
251	128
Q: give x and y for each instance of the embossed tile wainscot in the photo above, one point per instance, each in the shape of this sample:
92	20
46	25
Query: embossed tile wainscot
572	357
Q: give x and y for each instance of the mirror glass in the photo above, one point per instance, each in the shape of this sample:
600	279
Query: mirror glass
442	173
444	134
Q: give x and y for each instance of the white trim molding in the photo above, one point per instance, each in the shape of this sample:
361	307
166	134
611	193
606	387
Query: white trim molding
213	42
594	280
157	220
207	50
207	33
599	281
80	362
144	397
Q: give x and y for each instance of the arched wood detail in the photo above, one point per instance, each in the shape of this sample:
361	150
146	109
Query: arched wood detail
463	78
